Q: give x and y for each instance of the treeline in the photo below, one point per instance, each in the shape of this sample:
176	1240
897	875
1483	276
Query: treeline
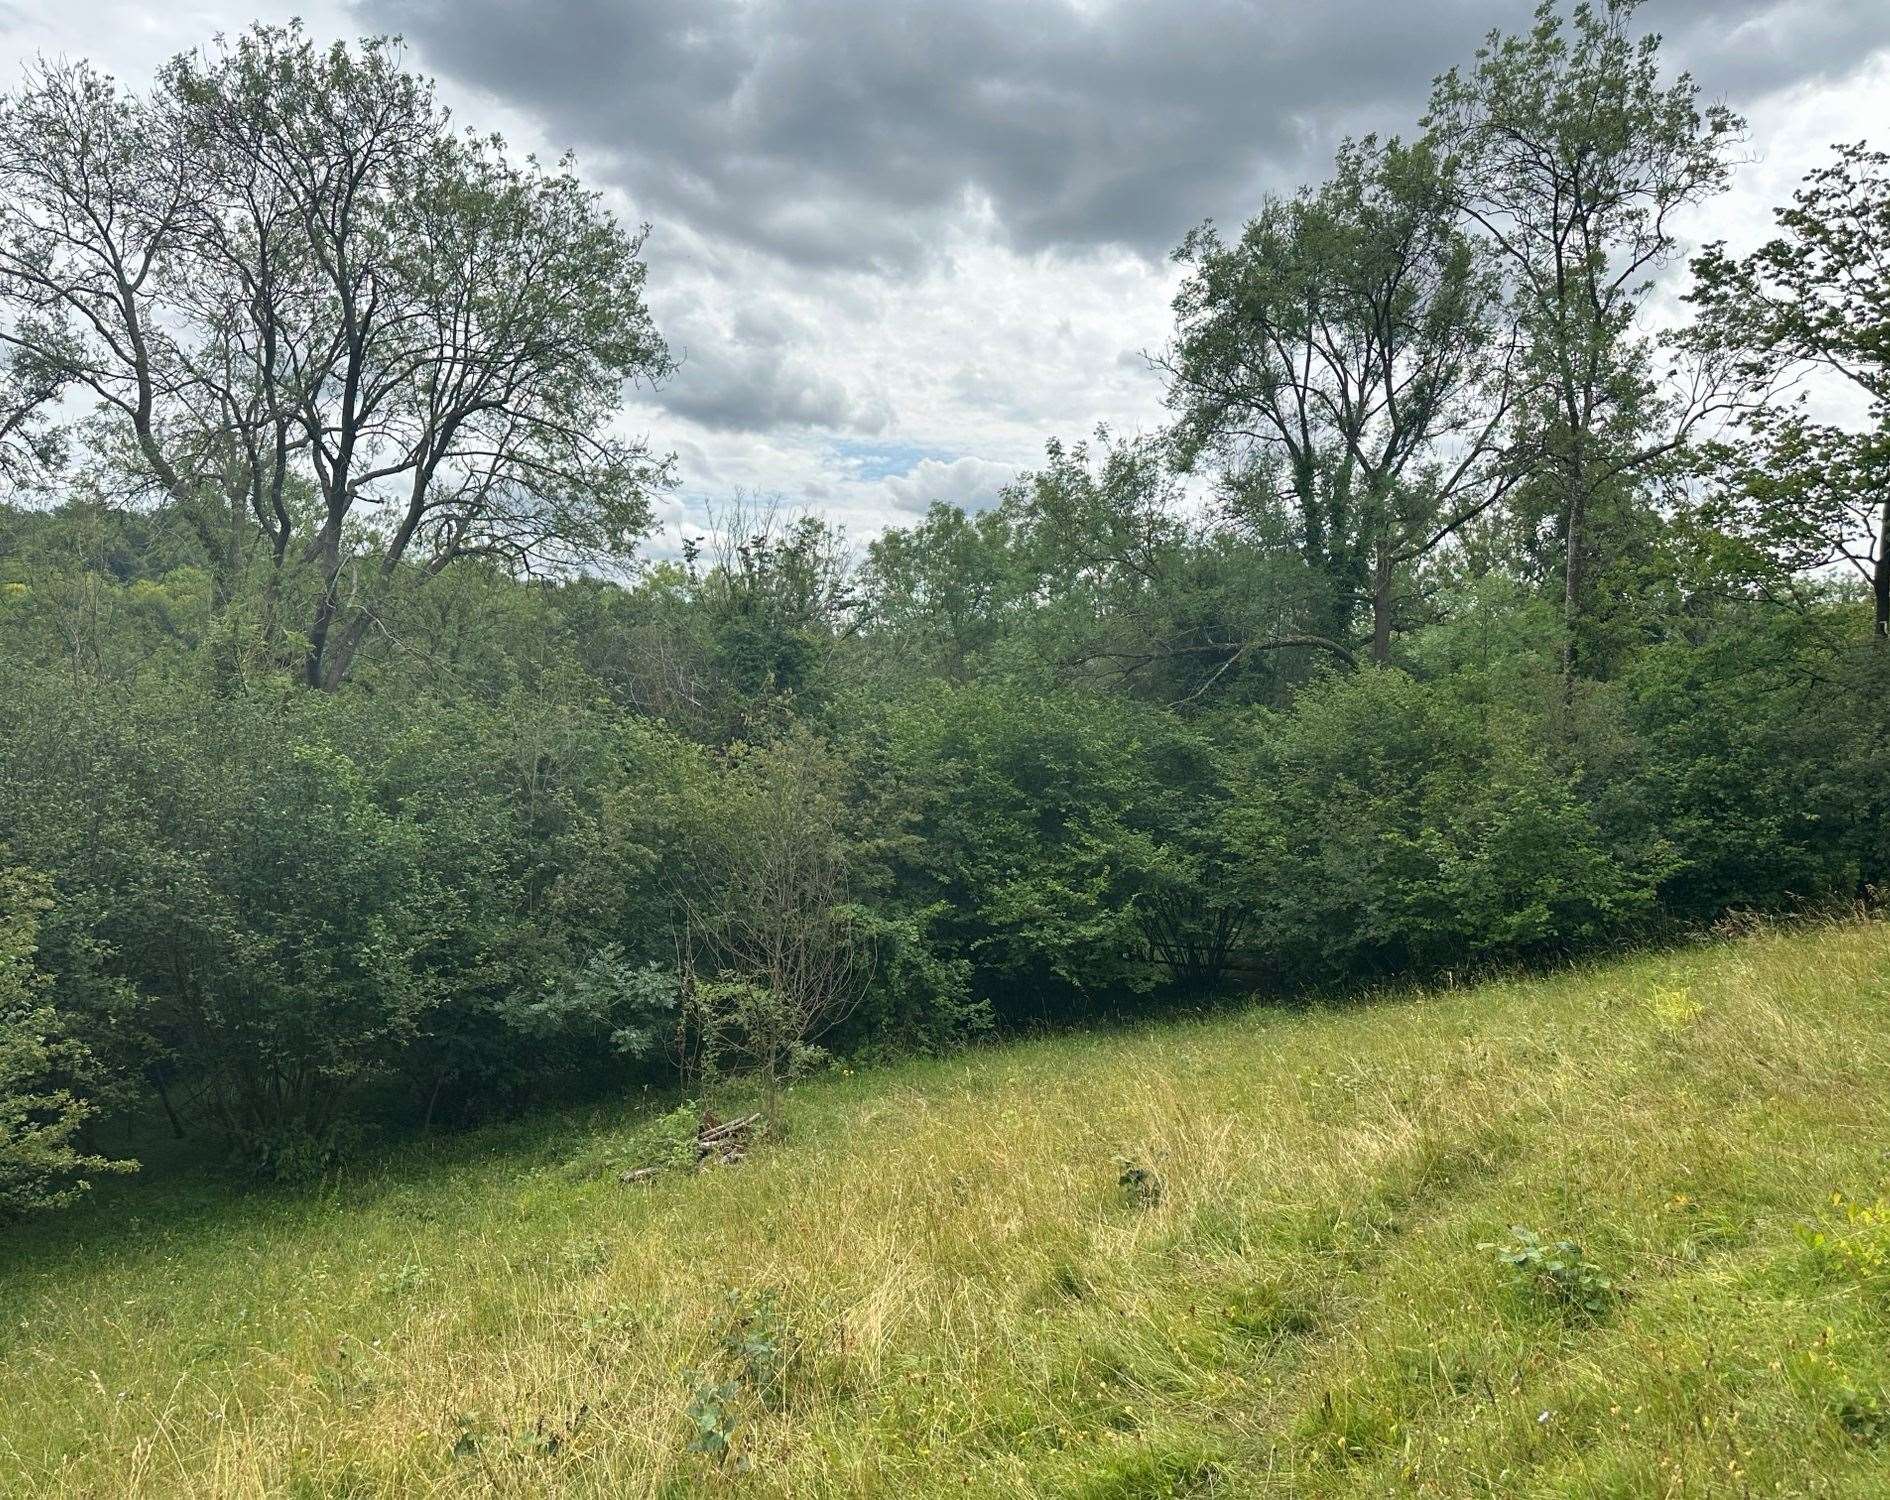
1458	618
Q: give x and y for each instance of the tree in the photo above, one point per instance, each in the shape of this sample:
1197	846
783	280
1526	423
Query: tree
1790	499
947	587
775	594
30	446
1571	155
1343	365
321	325
1815	297
1120	581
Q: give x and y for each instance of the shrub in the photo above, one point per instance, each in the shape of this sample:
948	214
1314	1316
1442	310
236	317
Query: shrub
41	1117
1388	825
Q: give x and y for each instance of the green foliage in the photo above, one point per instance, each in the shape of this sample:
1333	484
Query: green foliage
1851	1243
919	996
1752	763
949	588
760	1345
1326	363
733	1017
1556	1272
603	998
1067	841
1142	1183
344	797
1573	137
1387	824
774	955
42	1164
669	1140
713	1419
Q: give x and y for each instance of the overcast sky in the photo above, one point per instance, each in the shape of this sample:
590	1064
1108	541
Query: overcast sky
897	244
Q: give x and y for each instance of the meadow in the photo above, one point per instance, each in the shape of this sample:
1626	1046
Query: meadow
1251	1252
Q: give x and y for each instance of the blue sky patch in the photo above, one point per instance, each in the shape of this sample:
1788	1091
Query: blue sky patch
884	460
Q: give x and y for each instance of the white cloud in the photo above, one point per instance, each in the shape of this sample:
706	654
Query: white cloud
970	483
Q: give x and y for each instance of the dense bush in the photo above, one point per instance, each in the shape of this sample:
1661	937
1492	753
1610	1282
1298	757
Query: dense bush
1068	841
279	913
42	1067
1388	824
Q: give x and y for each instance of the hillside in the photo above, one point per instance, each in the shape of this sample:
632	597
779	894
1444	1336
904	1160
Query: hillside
947	1279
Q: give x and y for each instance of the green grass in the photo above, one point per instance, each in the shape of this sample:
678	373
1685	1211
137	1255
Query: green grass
939	1284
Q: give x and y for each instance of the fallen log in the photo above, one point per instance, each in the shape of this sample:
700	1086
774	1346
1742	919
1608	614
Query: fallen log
711	1130
710	1134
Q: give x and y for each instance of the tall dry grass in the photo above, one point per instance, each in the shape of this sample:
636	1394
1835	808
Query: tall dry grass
962	1296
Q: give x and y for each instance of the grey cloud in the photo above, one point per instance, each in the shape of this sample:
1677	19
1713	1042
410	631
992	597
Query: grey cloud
747	369
837	185
1742	51
731	388
851	132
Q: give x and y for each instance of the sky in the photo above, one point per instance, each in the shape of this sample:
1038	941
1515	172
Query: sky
897	245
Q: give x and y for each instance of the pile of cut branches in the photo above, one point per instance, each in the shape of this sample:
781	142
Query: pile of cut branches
718	1142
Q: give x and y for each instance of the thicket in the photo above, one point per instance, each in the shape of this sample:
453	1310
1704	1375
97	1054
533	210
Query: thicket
1457	621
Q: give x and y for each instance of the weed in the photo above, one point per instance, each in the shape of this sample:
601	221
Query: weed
404	1280
1142	1183
712	1418
1557	1272
1864	1415
1851	1242
758	1347
1673	1010
667	1142
761	1344
537	1441
585	1257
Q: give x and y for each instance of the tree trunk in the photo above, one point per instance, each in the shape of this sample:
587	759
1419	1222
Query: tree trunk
164	1098
1381	607
1881	582
1574	568
325	550
433	1098
342	646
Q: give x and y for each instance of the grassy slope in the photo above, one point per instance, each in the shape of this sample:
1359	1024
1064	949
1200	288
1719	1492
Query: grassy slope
974	1305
